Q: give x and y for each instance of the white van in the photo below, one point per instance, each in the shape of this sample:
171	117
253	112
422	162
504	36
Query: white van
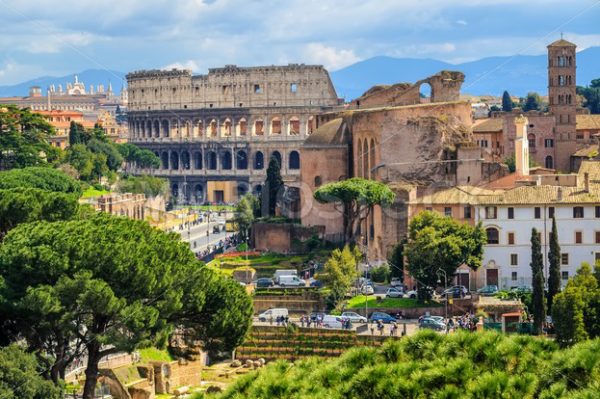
291	281
272	314
284	272
331	321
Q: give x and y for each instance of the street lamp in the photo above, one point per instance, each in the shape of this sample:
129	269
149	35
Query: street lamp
445	288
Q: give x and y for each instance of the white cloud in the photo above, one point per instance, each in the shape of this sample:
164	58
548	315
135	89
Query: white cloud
189	64
56	42
462	22
330	57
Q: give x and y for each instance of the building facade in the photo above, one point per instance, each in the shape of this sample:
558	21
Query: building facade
216	133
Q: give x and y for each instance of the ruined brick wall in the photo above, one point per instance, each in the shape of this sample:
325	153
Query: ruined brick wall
282	237
172	375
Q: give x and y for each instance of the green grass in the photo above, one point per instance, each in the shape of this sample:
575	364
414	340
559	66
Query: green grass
155	355
91	192
387	303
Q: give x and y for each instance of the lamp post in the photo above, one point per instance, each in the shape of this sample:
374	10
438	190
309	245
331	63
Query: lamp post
445	288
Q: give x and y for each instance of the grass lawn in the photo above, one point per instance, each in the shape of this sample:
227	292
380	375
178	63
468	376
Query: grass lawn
155	355
92	192
390	303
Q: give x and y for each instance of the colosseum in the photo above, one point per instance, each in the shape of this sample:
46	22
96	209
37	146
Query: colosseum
215	133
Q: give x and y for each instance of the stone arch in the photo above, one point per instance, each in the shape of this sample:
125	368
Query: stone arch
174	160
365	159
137	128
258	189
277	155
199	193
241	160
165	128
276	126
294	160
294	126
259	160
242	127
212	128
359	164
372	159
175	190
165	160
199	128
549	162
425	92
174	128
185	160
226	128
259	127
187	129
226	163
148	130
211	160
310	125
197	160
156	129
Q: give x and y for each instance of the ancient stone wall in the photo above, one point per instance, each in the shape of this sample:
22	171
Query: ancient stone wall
282	237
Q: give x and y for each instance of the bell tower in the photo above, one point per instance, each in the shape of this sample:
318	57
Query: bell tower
562	101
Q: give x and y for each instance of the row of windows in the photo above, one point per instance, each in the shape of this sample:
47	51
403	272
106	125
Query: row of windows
225	89
491	212
493	237
174	160
514	276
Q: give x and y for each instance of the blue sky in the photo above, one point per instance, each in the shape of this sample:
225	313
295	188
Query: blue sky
52	37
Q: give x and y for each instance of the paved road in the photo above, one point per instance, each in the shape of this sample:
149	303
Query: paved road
411	326
196	235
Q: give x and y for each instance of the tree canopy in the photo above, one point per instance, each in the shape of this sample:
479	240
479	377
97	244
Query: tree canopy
355	198
507	104
245	211
108	284
537	271
532	102
441	243
273	187
149	185
44	178
554	277
137	156
591	95
340	272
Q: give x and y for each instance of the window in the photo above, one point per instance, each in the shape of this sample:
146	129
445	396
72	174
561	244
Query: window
511	238
578	212
513	276
492	235
448	211
564	259
511	213
596	256
294	87
537	212
428	209
490	212
318	181
578	237
549	143
564	275
514	259
551	212
467	211
598	211
257	89
598	237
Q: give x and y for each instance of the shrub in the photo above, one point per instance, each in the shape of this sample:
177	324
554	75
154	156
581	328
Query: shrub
380	274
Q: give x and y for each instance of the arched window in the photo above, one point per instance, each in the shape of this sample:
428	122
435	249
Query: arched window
185	160
277	156
175	190
294	125
318	181
531	140
359	163
174	160
549	162
148	131
197	160
200	127
213	128
294	161
425	93
364	155
199	193
226	160
276	126
259	160
371	158
243	127
156	129
258	189
226	128
211	160
165	160
241	160
492	235
259	127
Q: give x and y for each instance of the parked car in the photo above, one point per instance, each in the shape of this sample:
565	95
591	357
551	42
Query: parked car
412	294
394	293
367	290
458	291
315	283
384	317
331	321
284	272
522	289
264	282
354	317
488	290
272	314
291	281
436	318
432	324
396	282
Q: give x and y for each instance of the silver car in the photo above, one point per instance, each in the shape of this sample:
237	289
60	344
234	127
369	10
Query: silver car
354	317
394	293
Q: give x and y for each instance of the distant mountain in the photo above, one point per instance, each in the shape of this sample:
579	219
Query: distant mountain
518	74
89	77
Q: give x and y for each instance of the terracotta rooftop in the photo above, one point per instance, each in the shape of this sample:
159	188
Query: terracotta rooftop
562	43
327	134
587	152
489	125
588	122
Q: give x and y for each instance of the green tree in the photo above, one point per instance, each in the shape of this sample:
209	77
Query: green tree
244	214
83	160
24	138
591	95
142	158
507	104
554	276
537	271
396	260
22	205
148	185
44	178
355	199
532	102
20	377
108	284
340	271
273	187
114	160
441	243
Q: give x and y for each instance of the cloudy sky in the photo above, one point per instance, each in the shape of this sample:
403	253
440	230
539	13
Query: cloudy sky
58	37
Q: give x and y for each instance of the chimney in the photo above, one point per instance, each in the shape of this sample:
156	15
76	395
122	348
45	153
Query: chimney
586	182
521	146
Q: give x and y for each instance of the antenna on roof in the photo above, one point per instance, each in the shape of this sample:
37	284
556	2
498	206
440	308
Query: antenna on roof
561	35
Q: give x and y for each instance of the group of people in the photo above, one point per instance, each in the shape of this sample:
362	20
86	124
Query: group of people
381	328
308	321
280	320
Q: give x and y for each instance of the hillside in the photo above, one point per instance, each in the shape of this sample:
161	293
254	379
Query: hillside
430	365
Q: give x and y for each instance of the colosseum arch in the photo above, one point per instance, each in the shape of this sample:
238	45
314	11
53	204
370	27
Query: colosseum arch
226	162
259	160
165	160
174	160
187	129
148	130
165	128
197	158
185	160
156	129
211	160
226	128
294	126
259	127
198	193
242	127
241	160
175	128
276	126
277	156
294	160
212	128
199	128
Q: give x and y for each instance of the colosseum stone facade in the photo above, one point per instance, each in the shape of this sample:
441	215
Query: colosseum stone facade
215	133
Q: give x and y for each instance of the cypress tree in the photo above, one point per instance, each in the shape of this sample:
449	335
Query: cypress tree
507	104
537	264
273	184
554	270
